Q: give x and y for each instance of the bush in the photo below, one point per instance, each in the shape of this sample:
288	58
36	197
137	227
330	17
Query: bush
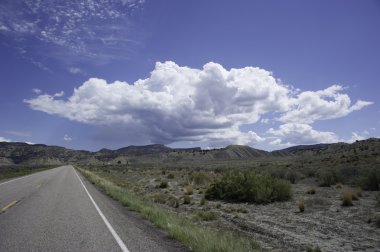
359	192
355	196
311	191
173	202
202	202
163	184
347	198
188	190
241	210
249	187
205	215
186	199
327	178
199	178
338	186
292	176
170	176
313	249
159	198
301	206
371	180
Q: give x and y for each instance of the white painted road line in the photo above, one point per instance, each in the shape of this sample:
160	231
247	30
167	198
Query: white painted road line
6	182
110	228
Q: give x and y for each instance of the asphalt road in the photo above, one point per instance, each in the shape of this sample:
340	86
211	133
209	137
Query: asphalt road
58	210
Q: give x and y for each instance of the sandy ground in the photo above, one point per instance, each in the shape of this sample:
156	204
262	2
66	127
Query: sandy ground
325	223
280	226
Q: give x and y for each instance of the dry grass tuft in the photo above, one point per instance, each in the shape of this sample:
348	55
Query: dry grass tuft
301	206
347	198
311	191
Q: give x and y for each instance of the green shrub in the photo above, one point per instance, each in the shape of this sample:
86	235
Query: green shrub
159	198
347	198
277	173
205	215
249	187
311	191
313	249
301	206
338	186
186	199
199	178
241	210
170	176
359	192
292	176
371	180
355	196
202	202
327	178
173	202
163	184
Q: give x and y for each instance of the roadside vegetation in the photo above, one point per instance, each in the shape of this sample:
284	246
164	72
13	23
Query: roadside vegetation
252	198
17	171
195	236
249	187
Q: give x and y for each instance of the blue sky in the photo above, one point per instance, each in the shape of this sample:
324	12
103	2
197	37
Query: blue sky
268	74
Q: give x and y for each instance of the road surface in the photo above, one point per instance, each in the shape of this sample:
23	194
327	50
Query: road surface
58	210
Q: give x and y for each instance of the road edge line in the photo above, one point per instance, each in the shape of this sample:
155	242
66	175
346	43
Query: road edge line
110	228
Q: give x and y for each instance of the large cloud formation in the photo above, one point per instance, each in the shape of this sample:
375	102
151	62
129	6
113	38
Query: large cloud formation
185	104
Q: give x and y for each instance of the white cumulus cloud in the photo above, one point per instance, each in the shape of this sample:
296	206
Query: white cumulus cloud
177	103
66	137
356	136
36	91
324	104
299	133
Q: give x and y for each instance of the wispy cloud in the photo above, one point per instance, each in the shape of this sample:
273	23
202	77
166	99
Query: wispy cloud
19	133
69	31
76	70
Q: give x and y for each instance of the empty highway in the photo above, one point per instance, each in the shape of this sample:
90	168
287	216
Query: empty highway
58	210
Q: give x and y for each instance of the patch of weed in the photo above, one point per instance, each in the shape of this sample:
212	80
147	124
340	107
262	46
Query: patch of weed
249	187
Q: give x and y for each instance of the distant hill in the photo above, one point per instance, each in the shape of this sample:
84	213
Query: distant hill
143	150
12	153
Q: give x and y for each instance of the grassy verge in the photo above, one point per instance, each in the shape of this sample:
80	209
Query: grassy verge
21	171
195	237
